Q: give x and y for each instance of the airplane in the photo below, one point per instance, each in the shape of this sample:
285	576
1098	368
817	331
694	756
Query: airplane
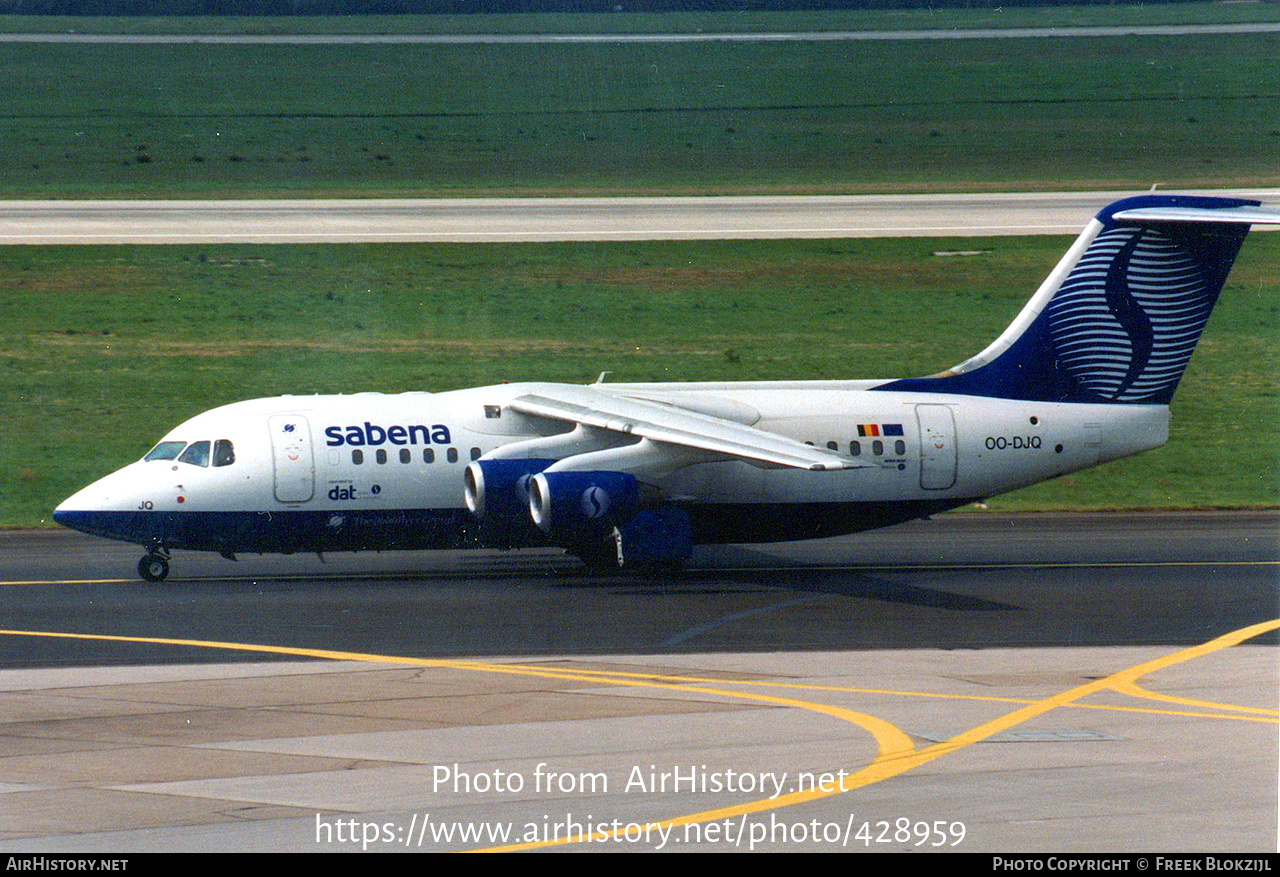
635	475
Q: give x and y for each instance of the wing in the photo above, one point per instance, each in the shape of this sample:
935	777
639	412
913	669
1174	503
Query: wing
672	425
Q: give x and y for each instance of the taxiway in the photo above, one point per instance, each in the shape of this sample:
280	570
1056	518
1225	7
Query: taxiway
480	220
1030	682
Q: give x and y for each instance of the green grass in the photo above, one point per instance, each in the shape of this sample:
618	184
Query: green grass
106	348
671	22
224	121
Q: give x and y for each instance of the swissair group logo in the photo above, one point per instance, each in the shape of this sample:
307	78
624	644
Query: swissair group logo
595	502
1125	321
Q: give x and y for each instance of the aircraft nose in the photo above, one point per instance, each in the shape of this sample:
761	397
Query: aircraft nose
69	519
62	514
68	507
80	512
101	509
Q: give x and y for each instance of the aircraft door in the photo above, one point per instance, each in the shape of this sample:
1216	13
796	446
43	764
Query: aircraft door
1092	443
937	446
295	471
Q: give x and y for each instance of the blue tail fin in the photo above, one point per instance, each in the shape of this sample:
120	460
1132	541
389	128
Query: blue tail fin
1118	318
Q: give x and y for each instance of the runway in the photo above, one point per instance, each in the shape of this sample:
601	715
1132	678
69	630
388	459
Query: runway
976	682
479	220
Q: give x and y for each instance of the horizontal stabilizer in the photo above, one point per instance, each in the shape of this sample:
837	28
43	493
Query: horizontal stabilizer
1249	215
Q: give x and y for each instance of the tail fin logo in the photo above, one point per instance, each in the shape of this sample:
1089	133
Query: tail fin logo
1127	319
1118	318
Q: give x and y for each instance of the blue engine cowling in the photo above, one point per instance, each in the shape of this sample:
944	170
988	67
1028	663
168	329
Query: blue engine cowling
572	503
658	536
497	491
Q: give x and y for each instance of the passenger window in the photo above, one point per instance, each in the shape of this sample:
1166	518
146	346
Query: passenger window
877	447
165	451
382	455
899	447
405	455
855	449
224	453
357	457
196	454
475	453
452	455
831	446
428	455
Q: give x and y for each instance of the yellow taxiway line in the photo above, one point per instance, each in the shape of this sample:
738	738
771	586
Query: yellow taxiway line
896	753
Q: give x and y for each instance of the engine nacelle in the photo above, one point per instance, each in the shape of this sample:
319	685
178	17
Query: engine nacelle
497	491
571	503
655	537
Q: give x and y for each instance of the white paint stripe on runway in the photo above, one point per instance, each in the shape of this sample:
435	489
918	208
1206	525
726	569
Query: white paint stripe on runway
554	219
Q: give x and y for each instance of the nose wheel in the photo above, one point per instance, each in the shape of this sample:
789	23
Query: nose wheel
154	567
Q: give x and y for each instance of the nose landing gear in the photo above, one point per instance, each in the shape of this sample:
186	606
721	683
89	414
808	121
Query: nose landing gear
155	566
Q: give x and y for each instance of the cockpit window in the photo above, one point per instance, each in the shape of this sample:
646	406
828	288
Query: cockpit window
196	454
165	451
224	454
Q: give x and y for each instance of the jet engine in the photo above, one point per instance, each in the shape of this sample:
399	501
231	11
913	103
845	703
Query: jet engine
498	490
570	504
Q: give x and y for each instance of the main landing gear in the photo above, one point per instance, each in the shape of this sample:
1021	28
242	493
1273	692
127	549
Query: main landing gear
604	557
155	566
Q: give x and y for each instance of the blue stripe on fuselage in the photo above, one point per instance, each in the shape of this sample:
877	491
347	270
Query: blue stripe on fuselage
294	530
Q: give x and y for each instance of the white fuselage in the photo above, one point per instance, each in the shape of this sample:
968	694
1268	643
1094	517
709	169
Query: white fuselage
357	466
